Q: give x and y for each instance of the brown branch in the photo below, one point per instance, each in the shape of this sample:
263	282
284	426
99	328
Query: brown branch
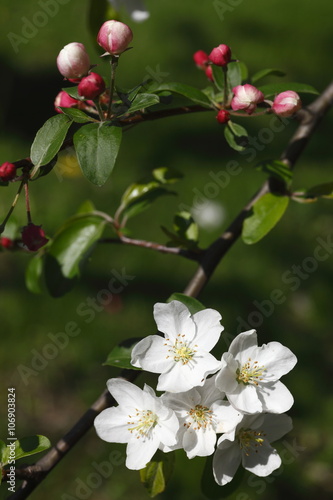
124	240
310	119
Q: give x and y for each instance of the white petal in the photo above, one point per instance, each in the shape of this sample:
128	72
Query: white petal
245	399
275	397
140	452
262	462
226	378
209	328
151	354
276	426
200	443
166	430
182	401
173	319
226	461
241	347
277	359
226	416
125	393
111	425
209	392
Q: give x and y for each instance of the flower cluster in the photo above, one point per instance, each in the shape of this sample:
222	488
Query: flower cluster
244	97
232	408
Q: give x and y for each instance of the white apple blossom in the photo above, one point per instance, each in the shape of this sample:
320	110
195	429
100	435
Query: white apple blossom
202	414
135	8
142	420
249	445
183	357
250	375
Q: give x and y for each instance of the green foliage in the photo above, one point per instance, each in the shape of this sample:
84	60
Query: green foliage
193	94
49	140
266	72
275	88
236	136
277	169
77	115
97	146
143	101
157	473
186	233
121	354
267	212
33	274
24	447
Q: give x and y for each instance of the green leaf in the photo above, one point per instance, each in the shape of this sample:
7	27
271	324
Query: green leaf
27	446
77	115
266	72
234	74
235	142
49	139
276	88
276	169
321	190
120	356
46	169
3	448
267	212
68	250
73	92
138	197
97	147
237	129
33	274
218	76
186	228
191	303
143	101
192	93
166	175
157	473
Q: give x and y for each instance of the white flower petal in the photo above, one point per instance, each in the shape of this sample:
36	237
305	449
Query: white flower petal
209	328
209	392
139	453
277	359
151	354
275	397
226	416
276	426
263	462
125	393
111	425
244	344
173	319
245	399
226	378
200	443
166	430
226	461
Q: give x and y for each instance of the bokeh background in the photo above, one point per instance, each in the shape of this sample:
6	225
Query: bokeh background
295	37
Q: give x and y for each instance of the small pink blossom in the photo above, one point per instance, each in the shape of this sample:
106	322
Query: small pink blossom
33	237
6	243
246	97
209	73
201	59
73	61
221	55
91	86
64	100
286	103
223	116
114	37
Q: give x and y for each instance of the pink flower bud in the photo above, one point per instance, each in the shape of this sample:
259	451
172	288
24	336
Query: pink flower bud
201	59
221	55
209	73
91	86
114	37
65	101
246	97
7	171
33	237
223	116
286	103
73	60
6	243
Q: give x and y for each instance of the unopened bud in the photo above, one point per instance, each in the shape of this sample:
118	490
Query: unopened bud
201	59
209	73
286	103
91	86
114	37
65	101
221	55
73	61
246	97
223	116
33	237
6	243
7	171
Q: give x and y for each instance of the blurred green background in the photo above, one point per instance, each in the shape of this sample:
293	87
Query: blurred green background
293	36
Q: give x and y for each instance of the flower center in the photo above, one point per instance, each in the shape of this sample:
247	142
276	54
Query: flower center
250	440
200	416
250	373
181	350
143	421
